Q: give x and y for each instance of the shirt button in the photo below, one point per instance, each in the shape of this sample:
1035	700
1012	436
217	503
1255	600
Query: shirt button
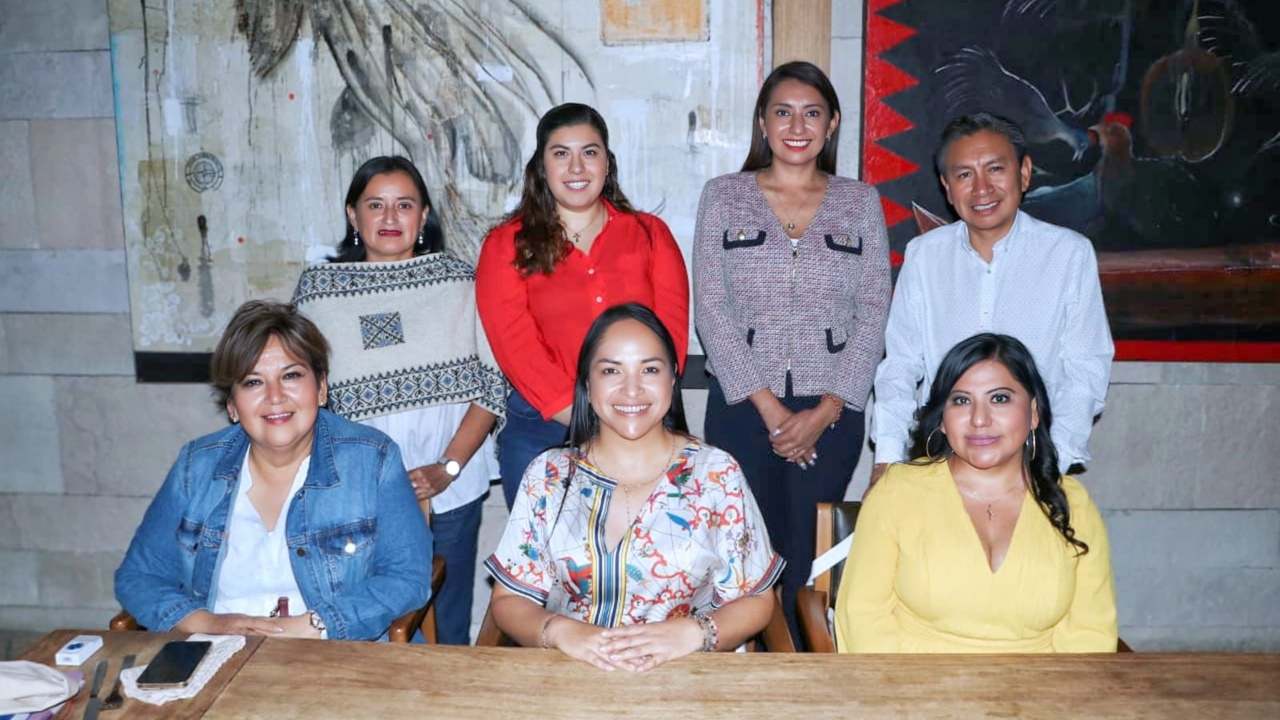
599	299
302	552
592	271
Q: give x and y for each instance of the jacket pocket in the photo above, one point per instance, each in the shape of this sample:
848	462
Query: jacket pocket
347	550
845	243
190	534
836	340
735	239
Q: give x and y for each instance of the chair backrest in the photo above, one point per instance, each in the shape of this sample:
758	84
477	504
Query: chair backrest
835	523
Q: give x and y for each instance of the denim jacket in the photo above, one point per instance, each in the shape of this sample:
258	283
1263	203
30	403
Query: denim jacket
356	493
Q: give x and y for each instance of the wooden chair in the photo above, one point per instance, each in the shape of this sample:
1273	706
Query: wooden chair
813	603
835	522
774	638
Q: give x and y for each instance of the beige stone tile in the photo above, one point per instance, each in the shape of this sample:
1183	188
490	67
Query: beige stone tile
17	204
68	344
76	523
55	85
77	184
51	25
120	437
58	281
29	436
1185	447
20	571
78	579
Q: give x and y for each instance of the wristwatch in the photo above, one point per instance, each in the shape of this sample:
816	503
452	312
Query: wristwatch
452	468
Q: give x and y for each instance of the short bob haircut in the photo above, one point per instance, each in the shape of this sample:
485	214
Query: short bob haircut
760	156
432	233
967	125
585	425
930	446
249	331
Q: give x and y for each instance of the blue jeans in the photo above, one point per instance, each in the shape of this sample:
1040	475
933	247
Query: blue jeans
457	535
524	437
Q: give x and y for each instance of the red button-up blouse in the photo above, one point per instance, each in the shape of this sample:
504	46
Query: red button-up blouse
536	324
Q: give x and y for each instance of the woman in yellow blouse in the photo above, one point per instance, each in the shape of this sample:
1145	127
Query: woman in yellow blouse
979	545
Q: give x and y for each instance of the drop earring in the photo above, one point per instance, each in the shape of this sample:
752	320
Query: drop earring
356	235
421	240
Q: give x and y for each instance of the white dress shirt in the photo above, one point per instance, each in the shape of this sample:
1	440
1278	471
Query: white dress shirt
256	571
424	433
1041	287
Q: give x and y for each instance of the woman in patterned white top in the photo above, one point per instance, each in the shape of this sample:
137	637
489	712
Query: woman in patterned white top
636	543
411	359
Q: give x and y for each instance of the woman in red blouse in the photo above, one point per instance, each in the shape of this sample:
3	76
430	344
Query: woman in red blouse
573	247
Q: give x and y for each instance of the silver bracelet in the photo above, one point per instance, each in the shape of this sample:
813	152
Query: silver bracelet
710	631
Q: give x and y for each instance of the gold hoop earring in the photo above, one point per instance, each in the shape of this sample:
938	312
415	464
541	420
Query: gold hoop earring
929	441
1031	443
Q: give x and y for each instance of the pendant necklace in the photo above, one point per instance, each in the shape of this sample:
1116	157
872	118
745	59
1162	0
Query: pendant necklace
575	236
628	489
990	502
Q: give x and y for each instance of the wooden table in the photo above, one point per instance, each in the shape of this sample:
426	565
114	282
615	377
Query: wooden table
144	645
313	680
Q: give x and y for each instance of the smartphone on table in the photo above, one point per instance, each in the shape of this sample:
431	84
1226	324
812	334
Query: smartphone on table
174	665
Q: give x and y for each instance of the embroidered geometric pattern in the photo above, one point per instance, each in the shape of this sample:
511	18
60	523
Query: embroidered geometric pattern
421	386
381	330
345	279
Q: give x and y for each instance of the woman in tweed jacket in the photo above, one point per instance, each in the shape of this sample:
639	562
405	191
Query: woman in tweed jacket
791	294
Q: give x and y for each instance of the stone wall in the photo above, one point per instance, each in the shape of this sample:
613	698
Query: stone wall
1185	456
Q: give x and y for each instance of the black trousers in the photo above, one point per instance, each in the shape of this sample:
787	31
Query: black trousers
787	495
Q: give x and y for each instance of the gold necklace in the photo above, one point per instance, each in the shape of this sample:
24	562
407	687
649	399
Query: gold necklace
990	502
575	236
628	489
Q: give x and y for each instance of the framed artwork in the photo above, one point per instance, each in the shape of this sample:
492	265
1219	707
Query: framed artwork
1154	128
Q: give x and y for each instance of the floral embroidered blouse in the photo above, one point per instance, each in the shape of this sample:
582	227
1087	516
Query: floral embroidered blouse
697	543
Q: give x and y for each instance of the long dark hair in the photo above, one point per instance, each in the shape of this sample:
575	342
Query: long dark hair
585	425
432	232
760	156
1042	467
541	242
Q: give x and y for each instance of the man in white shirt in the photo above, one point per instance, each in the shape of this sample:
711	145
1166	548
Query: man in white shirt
995	270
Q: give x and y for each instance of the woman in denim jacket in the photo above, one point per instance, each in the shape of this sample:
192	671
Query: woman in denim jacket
291	522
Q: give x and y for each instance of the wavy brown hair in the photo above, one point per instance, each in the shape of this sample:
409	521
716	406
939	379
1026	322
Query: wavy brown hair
541	241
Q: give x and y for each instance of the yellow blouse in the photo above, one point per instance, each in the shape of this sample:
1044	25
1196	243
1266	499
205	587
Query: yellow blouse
917	578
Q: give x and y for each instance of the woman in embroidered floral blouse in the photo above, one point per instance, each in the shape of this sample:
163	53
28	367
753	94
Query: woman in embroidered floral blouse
636	543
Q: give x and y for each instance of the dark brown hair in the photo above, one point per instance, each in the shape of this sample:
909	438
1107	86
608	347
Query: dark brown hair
760	156
432	237
541	242
249	331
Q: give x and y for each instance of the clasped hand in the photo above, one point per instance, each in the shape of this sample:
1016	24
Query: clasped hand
796	437
636	648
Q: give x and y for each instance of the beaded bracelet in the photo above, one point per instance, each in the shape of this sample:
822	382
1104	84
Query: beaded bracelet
710	631
839	407
546	625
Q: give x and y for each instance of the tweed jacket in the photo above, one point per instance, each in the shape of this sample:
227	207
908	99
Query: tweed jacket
764	305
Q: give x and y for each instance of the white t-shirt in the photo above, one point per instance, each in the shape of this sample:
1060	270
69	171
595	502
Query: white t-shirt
424	433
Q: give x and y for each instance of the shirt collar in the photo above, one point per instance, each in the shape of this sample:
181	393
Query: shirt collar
1002	246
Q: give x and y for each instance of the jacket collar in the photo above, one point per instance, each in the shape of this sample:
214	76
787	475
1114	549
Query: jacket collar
323	471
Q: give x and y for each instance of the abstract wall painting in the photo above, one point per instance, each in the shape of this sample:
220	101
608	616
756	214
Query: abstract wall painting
240	124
